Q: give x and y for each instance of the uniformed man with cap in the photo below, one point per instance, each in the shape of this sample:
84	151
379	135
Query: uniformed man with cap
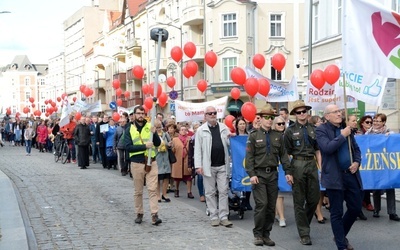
300	142
264	149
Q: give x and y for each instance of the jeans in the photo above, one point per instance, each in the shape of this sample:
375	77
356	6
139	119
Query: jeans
28	146
200	184
95	151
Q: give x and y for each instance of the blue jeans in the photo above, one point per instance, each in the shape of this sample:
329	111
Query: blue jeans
200	185
28	146
95	151
352	194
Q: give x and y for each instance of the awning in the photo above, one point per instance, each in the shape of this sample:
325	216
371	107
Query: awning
234	105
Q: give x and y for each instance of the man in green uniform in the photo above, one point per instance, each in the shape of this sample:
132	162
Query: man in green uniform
263	150
300	142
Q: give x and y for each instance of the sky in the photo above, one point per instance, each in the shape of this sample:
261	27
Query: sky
34	28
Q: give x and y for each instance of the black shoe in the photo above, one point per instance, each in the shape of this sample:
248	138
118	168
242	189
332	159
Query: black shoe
83	167
165	199
394	217
320	221
376	214
267	241
124	173
362	216
155	220
305	240
248	207
139	218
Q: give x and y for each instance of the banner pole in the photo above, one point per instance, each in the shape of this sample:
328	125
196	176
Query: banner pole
346	116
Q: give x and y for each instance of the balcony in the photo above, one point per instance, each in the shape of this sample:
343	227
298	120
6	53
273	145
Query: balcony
118	52
193	14
163	64
102	83
120	76
133	45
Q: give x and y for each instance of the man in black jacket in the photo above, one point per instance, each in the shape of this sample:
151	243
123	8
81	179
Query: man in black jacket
82	139
100	141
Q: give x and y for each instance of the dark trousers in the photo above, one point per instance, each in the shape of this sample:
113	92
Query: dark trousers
122	160
265	194
103	156
95	151
390	200
306	193
83	156
352	195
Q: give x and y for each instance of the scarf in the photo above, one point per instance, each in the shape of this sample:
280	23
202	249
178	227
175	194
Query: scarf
184	139
382	130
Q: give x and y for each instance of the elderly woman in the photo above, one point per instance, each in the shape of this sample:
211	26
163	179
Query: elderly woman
164	167
379	127
181	170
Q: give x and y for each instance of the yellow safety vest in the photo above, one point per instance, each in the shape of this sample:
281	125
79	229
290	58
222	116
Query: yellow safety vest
140	139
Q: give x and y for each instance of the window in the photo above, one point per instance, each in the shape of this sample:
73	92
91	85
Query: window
276	25
275	75
315	20
27	95
13	95
42	81
228	64
43	108
27	81
229	25
396	5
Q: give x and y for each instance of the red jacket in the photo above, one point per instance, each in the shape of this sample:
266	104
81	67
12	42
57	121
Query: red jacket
68	130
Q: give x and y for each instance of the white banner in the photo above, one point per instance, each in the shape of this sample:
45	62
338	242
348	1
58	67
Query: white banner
81	106
66	110
370	39
368	88
279	92
318	99
189	111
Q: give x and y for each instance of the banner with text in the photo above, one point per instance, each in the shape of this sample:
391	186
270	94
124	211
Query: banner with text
189	111
81	106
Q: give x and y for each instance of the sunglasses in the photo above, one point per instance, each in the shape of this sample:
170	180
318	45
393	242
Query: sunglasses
211	113
268	117
301	112
280	123
368	122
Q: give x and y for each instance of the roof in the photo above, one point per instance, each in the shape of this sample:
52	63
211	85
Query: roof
135	6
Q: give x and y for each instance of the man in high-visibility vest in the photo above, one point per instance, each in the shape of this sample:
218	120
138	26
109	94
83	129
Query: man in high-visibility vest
137	142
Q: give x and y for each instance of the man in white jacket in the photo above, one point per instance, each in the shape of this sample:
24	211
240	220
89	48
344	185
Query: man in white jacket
212	161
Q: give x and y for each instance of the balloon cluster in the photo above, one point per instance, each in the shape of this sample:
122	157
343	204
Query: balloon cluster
86	91
331	75
148	90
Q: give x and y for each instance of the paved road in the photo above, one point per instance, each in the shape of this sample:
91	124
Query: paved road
70	208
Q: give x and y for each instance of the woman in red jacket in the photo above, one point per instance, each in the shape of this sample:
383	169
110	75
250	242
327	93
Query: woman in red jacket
42	135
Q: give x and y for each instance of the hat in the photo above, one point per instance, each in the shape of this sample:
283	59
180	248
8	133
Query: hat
299	104
267	110
172	117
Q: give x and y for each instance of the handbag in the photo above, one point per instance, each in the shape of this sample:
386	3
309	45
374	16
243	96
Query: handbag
171	156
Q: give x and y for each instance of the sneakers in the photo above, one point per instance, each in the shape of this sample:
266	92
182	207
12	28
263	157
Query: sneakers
305	240
258	241
394	217
215	223
282	223
226	223
155	220
376	214
267	241
139	218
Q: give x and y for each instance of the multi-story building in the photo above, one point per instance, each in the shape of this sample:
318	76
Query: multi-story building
55	79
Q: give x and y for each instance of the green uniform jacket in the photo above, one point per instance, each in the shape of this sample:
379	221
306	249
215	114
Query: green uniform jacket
257	155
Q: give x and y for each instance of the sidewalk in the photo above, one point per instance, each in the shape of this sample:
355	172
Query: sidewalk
12	230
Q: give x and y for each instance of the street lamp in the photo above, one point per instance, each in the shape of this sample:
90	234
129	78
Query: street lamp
181	64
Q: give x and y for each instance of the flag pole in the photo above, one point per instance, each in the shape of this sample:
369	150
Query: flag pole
346	115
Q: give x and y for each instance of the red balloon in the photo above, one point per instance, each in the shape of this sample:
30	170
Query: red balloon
78	116
235	93
146	110
116	84
33	105
116	116
192	67
58	99
186	73
87	92
82	88
53	104
278	61
145	89
171	82
317	78
138	72
55	109
202	85
151	89
74	99
251	86
63	96
229	121
25	110
249	111
176	53
238	75
31	99
119	102
127	94
118	92
148	102
47	114
263	86
189	49
331	74
162	100
258	61
46	102
8	112
211	58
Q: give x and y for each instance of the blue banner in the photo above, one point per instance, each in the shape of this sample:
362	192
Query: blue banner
380	164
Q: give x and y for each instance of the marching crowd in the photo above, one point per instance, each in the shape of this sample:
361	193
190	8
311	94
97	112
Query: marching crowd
163	156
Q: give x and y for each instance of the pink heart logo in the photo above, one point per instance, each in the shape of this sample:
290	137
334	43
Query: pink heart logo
387	34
